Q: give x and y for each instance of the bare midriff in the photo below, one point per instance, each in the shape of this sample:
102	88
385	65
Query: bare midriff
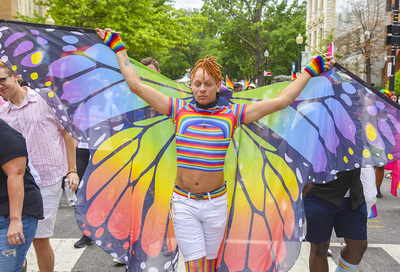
197	181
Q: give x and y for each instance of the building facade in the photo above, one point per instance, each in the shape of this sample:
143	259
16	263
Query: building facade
385	77
334	20
320	21
10	8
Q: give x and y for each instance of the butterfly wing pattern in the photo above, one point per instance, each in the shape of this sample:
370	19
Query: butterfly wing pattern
337	123
123	198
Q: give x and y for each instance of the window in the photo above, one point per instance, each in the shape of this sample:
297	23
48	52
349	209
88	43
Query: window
321	32
315	39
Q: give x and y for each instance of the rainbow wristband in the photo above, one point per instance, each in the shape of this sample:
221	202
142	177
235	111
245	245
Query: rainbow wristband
316	66
113	41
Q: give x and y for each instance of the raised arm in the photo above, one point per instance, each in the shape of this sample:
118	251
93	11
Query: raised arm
288	95
154	98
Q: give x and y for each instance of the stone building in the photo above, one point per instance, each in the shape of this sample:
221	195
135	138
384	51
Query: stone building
9	8
320	21
333	20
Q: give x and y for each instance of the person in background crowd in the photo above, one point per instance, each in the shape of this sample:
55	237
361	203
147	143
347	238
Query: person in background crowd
394	97
82	161
237	87
338	204
51	151
151	63
20	201
251	86
2	101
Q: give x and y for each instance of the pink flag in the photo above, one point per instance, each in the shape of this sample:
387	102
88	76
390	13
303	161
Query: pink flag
331	50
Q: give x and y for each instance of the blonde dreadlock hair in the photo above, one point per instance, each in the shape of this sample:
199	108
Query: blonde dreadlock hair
210	65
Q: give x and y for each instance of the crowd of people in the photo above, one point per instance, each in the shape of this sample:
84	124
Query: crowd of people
36	152
238	86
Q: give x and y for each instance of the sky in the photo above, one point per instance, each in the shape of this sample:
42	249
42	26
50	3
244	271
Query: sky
188	4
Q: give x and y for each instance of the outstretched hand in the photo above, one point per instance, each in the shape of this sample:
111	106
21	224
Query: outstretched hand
329	63
320	64
102	32
111	39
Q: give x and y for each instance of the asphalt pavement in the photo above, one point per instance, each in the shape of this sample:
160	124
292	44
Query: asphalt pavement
383	253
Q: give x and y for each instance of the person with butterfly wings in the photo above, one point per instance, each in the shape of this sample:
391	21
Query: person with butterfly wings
203	132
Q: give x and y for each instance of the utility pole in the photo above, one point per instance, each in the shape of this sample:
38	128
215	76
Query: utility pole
266	55
394	31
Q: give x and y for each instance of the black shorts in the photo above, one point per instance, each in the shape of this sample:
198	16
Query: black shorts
323	216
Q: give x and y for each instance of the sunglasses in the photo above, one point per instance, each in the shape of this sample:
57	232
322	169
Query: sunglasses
3	79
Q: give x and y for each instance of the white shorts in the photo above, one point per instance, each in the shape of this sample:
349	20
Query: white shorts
199	225
51	196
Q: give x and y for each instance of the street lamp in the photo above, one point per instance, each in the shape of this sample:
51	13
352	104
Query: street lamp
299	41
266	55
49	20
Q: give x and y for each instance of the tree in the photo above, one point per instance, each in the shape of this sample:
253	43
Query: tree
249	27
396	84
149	27
360	38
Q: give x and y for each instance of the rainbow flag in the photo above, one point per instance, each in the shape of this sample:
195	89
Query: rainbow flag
294	76
229	83
247	83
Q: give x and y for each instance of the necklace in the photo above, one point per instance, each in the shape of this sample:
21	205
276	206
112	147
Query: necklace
205	123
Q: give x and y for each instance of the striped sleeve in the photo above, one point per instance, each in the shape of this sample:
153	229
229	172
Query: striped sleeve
175	104
239	110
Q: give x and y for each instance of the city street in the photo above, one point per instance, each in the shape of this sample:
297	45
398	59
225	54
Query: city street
383	252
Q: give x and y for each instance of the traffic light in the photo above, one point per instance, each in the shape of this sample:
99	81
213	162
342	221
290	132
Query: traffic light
393	35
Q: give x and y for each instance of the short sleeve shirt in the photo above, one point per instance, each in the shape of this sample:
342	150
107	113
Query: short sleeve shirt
203	135
41	128
12	145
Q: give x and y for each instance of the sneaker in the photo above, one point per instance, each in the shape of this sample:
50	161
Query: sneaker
379	195
118	261
84	241
329	253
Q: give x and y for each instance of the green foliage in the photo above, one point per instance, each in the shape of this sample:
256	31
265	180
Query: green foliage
184	55
237	32
396	84
149	27
379	86
248	28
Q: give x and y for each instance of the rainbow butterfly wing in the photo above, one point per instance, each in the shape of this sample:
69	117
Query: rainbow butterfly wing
127	187
266	167
123	205
337	123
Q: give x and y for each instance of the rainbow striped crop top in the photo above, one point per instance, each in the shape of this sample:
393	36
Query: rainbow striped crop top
203	136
